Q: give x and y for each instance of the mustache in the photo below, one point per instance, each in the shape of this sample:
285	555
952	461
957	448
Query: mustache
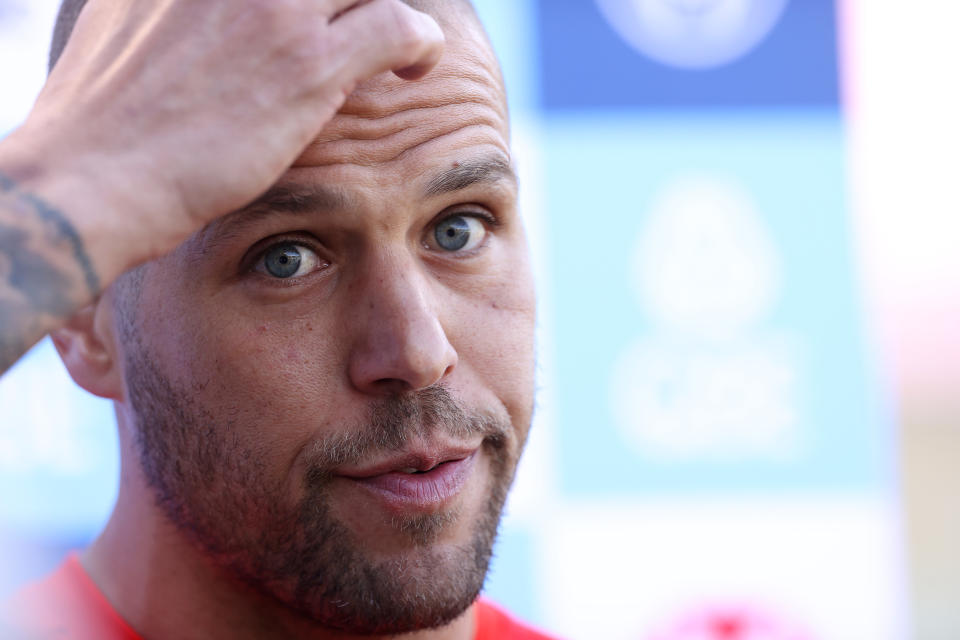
395	421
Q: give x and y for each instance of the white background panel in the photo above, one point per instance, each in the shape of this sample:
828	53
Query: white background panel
819	566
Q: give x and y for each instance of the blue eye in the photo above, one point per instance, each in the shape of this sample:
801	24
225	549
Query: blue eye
287	260
457	233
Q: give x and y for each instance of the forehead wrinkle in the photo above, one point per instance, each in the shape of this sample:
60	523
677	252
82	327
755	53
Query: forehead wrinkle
385	117
374	146
386	108
379	97
361	128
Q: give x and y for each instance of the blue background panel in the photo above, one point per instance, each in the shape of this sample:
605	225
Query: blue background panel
604	174
586	64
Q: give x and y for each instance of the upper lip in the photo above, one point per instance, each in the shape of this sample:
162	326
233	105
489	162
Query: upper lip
421	458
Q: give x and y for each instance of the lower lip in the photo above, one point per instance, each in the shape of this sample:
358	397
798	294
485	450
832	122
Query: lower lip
405	492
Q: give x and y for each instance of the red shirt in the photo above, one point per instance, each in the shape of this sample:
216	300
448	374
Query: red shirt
67	605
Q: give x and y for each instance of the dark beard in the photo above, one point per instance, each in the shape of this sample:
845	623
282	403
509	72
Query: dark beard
215	490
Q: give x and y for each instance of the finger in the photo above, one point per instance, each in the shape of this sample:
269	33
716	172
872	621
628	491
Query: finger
382	35
336	8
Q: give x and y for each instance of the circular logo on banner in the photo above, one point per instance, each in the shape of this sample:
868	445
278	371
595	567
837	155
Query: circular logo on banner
708	380
706	262
693	34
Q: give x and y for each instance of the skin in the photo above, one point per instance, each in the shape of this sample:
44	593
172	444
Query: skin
112	166
385	313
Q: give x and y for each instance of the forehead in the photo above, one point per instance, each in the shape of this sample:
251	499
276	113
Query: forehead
461	100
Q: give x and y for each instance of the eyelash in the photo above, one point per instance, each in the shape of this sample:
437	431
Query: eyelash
492	221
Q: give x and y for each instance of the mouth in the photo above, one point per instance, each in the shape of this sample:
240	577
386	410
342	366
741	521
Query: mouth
416	481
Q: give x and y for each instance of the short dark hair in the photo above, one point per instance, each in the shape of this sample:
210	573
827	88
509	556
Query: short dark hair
70	11
66	18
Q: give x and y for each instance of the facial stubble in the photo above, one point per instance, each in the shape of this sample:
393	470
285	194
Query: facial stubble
215	490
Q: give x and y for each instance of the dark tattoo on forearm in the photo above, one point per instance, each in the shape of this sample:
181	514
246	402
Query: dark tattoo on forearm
38	289
64	229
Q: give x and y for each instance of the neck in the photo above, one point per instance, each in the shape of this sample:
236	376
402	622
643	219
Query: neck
165	587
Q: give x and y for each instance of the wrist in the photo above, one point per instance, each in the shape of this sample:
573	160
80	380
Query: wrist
85	196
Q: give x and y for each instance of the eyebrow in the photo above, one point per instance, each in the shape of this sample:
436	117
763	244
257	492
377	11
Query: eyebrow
471	172
295	199
278	200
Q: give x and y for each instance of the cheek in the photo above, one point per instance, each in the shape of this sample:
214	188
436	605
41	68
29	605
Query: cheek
272	382
495	341
284	369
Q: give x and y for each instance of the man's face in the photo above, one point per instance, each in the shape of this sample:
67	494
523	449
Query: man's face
289	367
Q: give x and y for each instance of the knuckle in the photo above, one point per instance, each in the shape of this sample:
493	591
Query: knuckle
405	28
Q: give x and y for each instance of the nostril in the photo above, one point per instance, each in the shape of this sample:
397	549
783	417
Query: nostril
392	385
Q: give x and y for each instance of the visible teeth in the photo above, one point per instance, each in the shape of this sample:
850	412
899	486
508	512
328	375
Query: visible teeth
408	470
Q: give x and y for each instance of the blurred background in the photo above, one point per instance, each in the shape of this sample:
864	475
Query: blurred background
745	217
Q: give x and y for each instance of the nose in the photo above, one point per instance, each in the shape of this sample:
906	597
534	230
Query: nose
399	341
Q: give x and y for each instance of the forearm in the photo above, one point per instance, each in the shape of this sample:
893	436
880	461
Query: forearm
46	272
